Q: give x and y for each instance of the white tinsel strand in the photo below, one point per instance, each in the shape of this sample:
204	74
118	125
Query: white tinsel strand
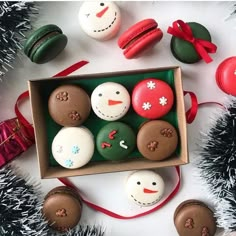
20	208
82	231
216	165
15	20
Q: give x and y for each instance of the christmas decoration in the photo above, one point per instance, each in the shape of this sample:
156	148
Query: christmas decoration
15	20
82	231
14	139
216	165
20	207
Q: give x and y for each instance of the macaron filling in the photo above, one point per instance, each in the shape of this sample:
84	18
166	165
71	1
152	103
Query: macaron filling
42	40
139	34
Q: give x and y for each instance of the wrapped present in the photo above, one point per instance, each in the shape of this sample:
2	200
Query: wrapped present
14	139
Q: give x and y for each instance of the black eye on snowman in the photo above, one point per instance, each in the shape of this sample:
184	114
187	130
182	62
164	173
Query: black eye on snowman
138	183
102	4
99	94
117	92
154	183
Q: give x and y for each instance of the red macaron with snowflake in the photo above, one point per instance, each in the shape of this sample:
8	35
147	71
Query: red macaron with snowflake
152	98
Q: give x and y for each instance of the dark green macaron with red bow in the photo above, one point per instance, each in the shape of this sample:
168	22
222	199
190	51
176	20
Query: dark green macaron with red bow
184	49
45	44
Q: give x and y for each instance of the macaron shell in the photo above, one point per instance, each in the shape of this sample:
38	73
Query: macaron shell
115	141
69	105
73	147
152	98
183	50
48	49
62	208
110	101
100	20
157	140
226	76
135	30
145	187
147	41
194	218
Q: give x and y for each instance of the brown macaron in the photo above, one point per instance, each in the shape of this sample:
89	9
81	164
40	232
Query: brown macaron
62	208
195	218
157	140
69	105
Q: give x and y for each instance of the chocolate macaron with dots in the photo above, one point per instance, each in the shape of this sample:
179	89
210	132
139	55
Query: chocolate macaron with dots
157	140
115	141
69	105
195	218
62	208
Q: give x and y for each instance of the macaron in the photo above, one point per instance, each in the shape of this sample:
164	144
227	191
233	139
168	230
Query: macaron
110	101
157	140
195	218
152	98
69	105
73	147
145	187
100	20
226	75
115	141
140	37
183	50
45	43
62	208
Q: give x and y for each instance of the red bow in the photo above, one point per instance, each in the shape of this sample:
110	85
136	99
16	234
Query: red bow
203	47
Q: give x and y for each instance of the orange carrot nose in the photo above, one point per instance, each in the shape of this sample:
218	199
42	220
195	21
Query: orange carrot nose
102	12
113	102
145	190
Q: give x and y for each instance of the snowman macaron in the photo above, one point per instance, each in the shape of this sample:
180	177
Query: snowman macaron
110	101
145	187
100	20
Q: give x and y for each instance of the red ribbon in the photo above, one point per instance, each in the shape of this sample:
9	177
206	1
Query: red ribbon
105	211
191	113
182	30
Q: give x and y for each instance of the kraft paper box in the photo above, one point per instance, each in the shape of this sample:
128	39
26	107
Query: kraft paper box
46	128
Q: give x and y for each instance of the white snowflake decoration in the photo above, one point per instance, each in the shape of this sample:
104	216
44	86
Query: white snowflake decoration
146	106
163	101
151	85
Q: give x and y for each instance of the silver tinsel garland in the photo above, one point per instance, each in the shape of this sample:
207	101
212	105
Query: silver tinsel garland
216	164
15	21
20	209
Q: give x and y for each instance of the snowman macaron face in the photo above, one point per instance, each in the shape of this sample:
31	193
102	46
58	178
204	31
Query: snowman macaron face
100	20
145	187
110	101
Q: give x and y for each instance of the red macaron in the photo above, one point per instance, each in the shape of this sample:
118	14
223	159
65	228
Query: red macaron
140	37
226	75
152	98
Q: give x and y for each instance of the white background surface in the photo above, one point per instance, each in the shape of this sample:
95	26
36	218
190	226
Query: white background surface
106	56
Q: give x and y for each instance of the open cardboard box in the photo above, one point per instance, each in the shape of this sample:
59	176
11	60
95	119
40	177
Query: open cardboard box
46	128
